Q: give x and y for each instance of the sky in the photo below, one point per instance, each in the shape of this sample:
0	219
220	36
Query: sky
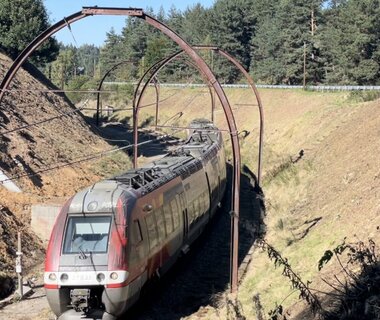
92	30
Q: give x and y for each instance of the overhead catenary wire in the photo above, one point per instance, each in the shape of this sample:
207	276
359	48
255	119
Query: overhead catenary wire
58	90
82	108
93	156
45	120
76	110
89	158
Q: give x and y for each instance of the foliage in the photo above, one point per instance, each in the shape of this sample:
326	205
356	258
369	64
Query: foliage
79	83
358	292
339	40
363	96
234	310
296	281
110	53
20	22
232	27
350	39
64	67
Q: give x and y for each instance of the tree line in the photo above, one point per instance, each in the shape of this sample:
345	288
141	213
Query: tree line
278	41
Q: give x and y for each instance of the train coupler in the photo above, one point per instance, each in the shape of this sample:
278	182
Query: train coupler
80	299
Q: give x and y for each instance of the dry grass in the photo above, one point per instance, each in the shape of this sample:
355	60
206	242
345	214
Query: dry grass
330	193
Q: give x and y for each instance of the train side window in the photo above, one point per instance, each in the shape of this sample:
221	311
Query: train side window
136	233
175	211
160	223
168	219
152	231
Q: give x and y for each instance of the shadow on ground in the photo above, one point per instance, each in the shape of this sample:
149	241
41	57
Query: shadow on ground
202	276
119	135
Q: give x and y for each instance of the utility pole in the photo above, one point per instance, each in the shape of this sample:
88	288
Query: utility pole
304	65
19	265
312	22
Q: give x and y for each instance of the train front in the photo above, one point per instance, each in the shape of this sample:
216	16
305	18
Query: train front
86	265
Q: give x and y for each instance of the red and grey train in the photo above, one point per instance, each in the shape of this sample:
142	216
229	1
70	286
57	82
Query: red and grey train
113	237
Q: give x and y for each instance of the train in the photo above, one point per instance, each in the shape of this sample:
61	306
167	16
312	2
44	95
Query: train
110	239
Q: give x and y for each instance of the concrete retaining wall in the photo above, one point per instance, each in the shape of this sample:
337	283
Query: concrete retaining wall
43	218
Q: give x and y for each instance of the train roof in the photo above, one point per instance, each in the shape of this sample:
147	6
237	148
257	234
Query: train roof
201	146
183	161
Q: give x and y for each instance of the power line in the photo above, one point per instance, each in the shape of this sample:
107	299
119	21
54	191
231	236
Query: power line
88	158
58	90
44	121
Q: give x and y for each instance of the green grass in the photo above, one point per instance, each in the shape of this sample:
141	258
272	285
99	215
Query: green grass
112	164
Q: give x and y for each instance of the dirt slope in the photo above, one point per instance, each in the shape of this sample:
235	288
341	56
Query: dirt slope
313	201
332	192
37	148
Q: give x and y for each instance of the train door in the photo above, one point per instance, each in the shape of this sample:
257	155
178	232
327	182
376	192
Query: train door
182	203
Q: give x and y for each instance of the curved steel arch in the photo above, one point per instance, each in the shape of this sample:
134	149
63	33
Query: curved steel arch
89	11
160	64
137	105
101	84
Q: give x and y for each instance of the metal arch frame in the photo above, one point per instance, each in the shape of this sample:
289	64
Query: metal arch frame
160	64
136	106
101	84
89	11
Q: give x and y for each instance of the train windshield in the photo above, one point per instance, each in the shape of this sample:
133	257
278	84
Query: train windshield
87	234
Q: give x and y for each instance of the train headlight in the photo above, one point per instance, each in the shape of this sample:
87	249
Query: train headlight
64	277
114	276
100	277
52	277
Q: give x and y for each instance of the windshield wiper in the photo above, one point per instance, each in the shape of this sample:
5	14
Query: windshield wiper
82	254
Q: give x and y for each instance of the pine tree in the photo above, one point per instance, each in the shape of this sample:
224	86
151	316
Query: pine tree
20	22
64	68
351	40
232	26
111	53
266	65
286	29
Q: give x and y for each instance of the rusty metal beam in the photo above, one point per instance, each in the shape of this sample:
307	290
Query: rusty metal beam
87	11
160	64
138	95
256	93
156	87
100	87
234	139
113	11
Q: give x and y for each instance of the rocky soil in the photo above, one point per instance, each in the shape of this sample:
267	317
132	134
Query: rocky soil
36	152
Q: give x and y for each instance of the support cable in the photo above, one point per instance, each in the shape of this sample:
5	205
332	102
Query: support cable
90	157
46	120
